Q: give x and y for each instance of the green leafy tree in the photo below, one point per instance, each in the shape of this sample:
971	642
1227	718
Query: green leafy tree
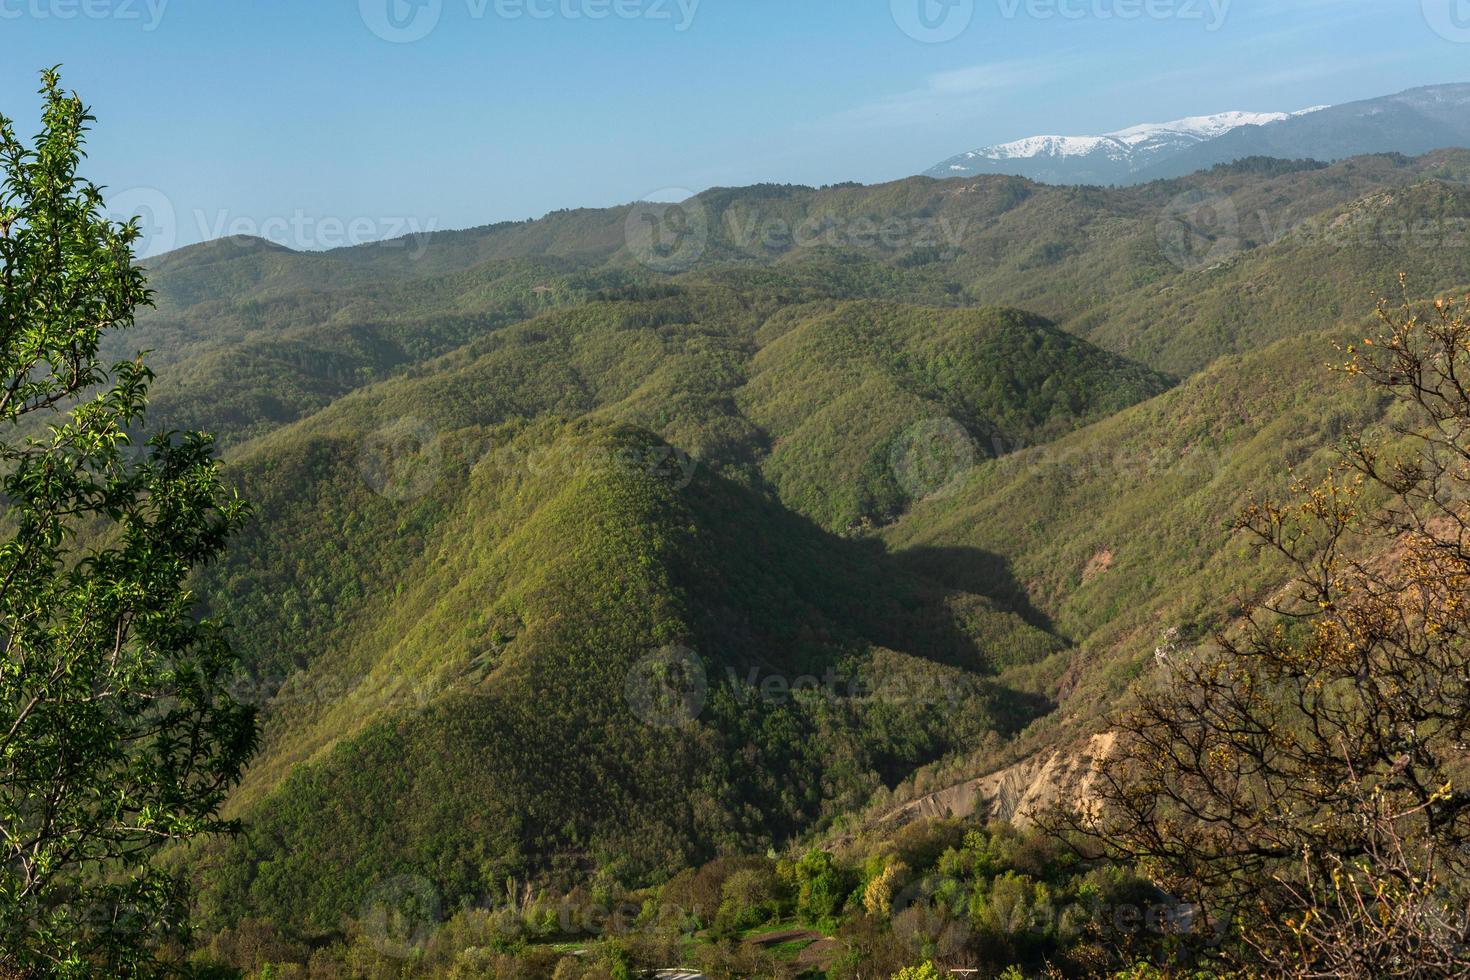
117	731
924	971
822	888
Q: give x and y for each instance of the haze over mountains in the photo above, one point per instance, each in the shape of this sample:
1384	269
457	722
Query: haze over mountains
1051	565
1411	122
991	456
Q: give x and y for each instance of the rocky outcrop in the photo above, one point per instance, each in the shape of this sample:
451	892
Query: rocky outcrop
1066	775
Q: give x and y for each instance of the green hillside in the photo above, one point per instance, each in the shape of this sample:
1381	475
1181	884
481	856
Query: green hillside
249	336
507	742
1119	533
871	405
680	366
956	480
434	544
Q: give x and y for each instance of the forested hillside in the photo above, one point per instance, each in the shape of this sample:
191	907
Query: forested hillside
577	566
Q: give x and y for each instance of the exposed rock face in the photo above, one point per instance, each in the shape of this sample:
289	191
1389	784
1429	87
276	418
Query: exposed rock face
1066	775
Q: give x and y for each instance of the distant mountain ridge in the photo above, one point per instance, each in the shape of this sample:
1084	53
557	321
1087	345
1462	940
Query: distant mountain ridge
1105	158
1412	122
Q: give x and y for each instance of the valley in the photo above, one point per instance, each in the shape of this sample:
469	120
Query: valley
1052	565
483	505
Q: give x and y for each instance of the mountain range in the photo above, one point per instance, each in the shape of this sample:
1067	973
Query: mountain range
504	478
1411	122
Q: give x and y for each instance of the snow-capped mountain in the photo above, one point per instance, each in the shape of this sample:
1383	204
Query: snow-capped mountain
1112	158
1411	123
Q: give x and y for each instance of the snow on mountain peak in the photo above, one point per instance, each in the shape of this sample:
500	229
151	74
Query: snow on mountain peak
1120	143
1033	146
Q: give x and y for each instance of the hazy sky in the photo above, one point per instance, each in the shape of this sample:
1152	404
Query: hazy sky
318	122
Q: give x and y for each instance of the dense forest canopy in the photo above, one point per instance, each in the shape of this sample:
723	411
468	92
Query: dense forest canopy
737	583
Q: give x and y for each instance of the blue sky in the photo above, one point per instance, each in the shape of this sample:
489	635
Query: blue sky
324	121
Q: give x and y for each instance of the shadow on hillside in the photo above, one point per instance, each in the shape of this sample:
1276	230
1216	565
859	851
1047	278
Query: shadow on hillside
973	570
777	592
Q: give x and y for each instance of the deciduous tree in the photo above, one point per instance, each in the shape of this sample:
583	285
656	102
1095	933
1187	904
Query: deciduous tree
117	731
1307	775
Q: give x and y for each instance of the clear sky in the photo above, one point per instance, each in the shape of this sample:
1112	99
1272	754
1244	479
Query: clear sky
324	121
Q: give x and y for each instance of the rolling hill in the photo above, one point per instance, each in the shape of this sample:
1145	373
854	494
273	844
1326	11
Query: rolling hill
571	571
